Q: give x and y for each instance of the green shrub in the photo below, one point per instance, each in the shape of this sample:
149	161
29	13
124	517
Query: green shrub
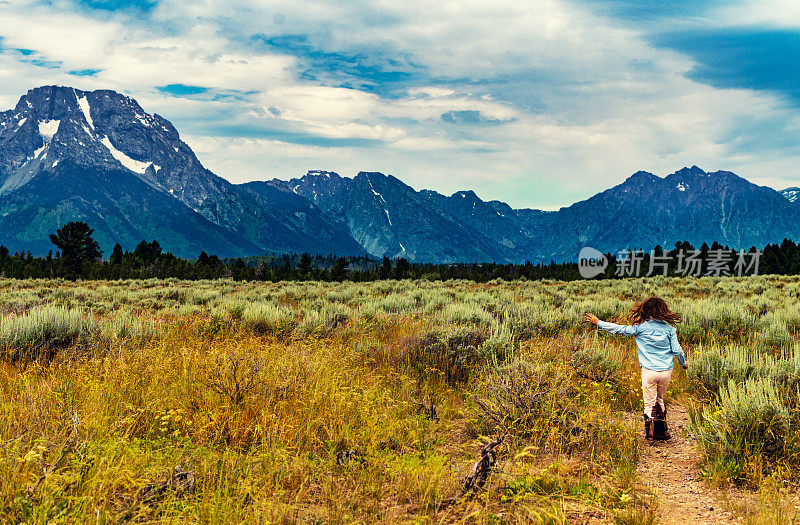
710	319
393	304
531	319
715	367
747	431
785	373
776	334
467	313
235	308
324	321
267	318
42	329
500	343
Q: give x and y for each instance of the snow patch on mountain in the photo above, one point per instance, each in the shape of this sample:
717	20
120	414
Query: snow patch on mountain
83	103
48	128
321	173
383	201
134	165
791	194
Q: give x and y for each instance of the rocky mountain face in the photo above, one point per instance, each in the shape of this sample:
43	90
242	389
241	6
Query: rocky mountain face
97	156
642	212
494	219
389	218
295	221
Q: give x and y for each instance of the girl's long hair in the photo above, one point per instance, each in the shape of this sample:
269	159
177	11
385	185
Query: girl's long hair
656	308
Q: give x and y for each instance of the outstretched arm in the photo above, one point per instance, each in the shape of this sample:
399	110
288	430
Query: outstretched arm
611	327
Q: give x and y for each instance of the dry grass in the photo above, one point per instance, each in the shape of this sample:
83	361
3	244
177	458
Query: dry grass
332	402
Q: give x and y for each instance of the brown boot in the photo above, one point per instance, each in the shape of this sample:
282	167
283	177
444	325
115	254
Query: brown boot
648	431
660	431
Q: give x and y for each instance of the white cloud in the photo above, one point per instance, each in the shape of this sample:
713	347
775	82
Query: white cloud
570	103
775	13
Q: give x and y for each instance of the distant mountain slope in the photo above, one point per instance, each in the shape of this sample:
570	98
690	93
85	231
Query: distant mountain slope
389	218
689	204
119	209
302	223
495	220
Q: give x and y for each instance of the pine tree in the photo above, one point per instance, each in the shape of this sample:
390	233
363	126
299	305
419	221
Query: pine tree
385	270
401	268
75	241
304	266
339	271
116	254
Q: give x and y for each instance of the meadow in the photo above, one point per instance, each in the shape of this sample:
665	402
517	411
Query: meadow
236	402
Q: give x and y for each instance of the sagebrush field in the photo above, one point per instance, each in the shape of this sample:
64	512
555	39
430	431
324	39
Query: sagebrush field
226	402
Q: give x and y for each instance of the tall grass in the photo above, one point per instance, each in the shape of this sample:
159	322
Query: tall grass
365	402
125	327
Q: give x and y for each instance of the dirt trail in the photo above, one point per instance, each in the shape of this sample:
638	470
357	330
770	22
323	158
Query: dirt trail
670	470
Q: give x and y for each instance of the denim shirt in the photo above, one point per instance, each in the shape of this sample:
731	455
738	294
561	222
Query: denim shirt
656	342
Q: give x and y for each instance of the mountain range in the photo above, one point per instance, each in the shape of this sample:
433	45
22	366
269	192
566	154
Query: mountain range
97	156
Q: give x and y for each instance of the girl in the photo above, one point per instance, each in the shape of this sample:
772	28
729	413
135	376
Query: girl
656	342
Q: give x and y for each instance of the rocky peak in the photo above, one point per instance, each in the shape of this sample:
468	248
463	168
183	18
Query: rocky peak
108	131
384	187
692	172
372	175
319	186
376	177
468	195
322	174
642	177
100	129
695	179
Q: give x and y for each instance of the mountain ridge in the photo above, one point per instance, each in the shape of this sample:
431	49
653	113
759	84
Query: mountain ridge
67	154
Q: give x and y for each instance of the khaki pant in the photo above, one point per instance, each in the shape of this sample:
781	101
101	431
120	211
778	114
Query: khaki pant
654	385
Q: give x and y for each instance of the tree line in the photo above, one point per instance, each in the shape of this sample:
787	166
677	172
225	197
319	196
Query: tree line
78	256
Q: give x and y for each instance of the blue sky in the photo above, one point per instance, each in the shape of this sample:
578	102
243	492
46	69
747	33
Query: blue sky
539	104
